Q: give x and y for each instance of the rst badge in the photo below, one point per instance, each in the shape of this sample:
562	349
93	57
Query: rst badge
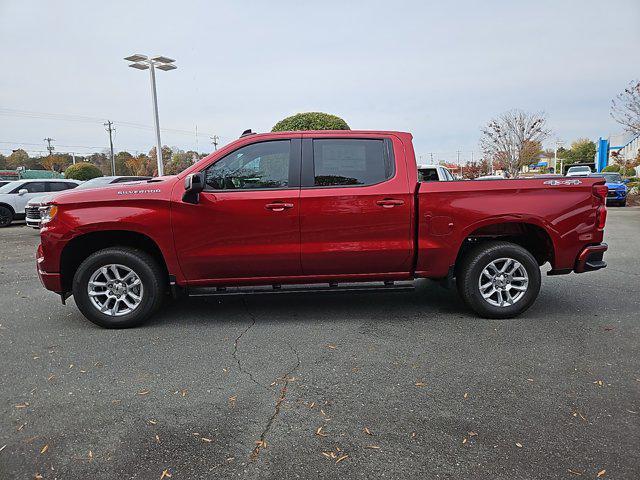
563	182
138	192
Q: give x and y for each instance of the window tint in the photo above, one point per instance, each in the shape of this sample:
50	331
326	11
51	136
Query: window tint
58	186
350	162
260	165
33	187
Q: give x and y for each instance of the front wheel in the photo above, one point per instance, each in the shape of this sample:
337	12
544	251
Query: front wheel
118	287
6	216
498	279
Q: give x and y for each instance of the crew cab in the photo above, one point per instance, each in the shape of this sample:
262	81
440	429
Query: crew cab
330	208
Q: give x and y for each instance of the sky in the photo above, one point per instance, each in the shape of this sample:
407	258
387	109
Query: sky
440	70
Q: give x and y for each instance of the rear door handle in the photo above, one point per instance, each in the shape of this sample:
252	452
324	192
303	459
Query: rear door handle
390	202
278	206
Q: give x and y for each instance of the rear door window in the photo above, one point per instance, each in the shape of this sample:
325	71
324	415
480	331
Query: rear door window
351	162
58	186
33	187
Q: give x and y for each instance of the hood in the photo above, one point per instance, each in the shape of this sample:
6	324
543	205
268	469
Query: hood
158	187
615	185
42	199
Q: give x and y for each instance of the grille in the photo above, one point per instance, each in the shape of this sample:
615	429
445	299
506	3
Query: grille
32	212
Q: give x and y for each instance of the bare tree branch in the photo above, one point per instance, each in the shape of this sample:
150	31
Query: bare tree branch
514	138
625	108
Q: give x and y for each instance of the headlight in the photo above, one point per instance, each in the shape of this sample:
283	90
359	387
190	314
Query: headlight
47	213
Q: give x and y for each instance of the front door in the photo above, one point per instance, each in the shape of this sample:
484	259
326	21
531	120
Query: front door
356	207
246	224
33	189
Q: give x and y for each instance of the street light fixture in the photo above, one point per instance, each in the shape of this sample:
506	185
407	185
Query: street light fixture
142	62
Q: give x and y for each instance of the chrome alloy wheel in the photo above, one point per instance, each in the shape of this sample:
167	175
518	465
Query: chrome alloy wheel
115	290
503	282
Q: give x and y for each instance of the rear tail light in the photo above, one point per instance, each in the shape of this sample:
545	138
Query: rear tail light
600	192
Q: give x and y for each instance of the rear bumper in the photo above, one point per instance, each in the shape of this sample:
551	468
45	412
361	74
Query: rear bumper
591	258
50	281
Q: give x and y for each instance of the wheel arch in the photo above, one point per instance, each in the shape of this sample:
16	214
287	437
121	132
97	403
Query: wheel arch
80	247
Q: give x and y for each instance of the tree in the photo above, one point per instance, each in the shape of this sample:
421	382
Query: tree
310	121
121	163
18	158
141	165
3	162
476	169
55	163
82	171
514	138
625	108
180	161
582	150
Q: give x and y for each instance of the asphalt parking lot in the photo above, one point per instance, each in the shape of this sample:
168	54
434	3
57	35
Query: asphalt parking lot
384	385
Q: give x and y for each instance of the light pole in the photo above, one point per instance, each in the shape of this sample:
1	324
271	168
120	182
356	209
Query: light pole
142	62
559	143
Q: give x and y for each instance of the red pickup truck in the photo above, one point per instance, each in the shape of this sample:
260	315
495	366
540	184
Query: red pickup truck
328	208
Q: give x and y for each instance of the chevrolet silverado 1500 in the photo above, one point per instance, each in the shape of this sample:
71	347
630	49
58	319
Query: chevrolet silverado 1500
328	208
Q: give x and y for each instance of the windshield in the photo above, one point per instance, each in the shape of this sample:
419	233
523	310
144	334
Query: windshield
613	177
10	186
95	182
579	169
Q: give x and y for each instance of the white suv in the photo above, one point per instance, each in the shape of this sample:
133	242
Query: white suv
434	173
15	195
578	171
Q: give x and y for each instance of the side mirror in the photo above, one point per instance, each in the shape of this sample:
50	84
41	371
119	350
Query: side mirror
626	180
22	191
193	185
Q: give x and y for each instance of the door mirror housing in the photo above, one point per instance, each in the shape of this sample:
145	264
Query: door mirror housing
22	191
193	185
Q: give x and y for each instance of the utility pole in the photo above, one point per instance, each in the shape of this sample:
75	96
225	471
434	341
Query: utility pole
111	129
73	157
214	140
50	147
458	156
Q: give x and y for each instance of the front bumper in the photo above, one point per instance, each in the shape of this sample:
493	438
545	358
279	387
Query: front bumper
591	258
50	281
617	195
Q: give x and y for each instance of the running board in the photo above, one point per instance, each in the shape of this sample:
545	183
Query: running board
364	287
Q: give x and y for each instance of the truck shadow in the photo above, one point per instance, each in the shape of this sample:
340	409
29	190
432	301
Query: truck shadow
429	301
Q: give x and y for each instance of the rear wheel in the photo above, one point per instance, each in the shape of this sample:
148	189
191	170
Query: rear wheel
118	287
6	216
498	279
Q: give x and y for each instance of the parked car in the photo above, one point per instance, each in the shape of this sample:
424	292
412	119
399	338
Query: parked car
15	195
4	182
617	194
33	207
434	173
578	171
319	207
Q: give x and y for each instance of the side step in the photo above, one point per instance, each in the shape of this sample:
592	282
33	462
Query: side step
364	287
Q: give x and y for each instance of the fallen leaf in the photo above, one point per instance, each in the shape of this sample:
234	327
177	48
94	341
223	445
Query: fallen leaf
375	447
21	427
465	395
51	377
312	404
464	440
420	384
414	434
261	444
600	383
22	405
320	433
601	473
157	439
153	422
143	392
90	455
332	347
519	445
3	447
38	477
343	457
574	472
367	431
165	474
205	439
329	454
472	434
44	449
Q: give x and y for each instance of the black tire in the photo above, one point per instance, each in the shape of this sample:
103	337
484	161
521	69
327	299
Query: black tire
623	203
150	273
469	272
6	216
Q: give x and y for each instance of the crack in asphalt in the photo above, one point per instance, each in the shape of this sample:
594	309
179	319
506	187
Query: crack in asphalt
276	411
235	347
286	378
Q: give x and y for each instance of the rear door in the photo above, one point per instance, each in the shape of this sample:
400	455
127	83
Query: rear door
355	206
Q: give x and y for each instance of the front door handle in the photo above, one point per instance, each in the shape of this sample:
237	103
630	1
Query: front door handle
390	202
278	206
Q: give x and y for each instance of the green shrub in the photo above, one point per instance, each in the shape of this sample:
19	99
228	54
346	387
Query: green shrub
82	171
310	121
611	168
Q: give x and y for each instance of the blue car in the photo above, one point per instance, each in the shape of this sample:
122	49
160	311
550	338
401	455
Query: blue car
617	194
